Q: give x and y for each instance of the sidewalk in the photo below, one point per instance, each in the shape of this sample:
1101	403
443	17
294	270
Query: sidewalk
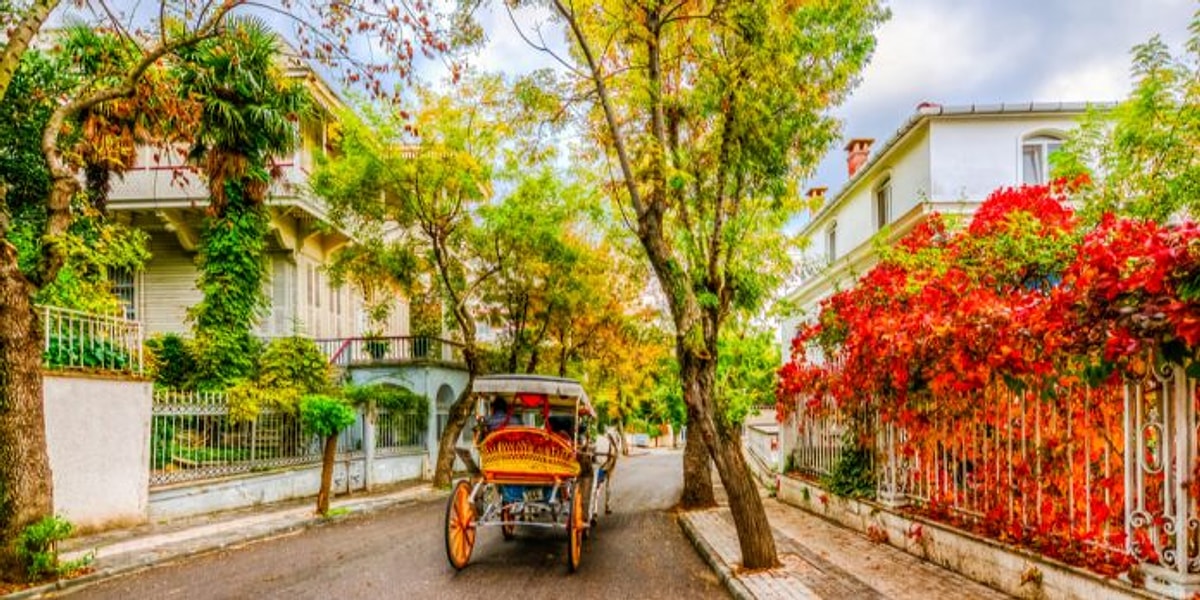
822	561
151	544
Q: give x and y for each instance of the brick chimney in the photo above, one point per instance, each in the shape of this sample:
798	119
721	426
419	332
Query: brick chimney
816	196
857	152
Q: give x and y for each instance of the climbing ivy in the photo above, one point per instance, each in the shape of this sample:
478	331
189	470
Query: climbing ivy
391	398
248	107
231	276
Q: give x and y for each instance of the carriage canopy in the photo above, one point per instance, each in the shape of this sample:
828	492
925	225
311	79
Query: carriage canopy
560	392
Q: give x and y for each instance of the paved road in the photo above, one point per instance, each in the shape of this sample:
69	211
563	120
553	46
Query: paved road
637	552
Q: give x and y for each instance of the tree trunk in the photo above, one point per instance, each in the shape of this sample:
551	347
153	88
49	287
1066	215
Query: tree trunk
26	492
460	411
327	459
724	445
697	469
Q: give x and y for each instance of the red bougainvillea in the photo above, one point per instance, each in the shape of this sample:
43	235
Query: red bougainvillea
999	349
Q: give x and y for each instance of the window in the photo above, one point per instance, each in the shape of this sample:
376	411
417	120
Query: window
1035	158
831	242
125	289
883	204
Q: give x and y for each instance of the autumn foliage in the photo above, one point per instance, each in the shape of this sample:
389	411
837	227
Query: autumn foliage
1002	350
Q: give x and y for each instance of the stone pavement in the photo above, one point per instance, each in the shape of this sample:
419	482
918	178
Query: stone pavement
822	561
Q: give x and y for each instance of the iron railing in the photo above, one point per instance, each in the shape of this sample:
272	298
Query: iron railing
79	340
194	437
1109	467
394	349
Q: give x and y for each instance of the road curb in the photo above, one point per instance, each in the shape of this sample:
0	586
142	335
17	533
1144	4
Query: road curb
270	532
724	572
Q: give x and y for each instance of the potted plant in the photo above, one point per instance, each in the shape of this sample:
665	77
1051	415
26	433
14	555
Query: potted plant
376	347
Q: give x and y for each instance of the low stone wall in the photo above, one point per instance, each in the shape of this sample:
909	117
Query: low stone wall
1011	570
98	440
187	500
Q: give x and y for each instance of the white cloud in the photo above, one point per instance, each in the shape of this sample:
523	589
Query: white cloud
1103	79
983	51
926	48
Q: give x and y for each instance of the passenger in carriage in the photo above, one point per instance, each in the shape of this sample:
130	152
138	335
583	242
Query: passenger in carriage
499	417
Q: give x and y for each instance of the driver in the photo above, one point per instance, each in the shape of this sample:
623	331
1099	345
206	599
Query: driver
563	425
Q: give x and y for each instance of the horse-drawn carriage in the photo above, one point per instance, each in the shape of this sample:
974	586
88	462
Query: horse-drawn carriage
538	467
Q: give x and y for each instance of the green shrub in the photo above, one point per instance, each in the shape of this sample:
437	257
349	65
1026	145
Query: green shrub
294	362
85	351
852	475
223	358
172	360
247	398
288	369
37	549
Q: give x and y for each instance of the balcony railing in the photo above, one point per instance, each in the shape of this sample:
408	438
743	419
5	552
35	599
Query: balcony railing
390	350
76	340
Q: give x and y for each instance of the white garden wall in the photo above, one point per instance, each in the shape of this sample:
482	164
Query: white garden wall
98	439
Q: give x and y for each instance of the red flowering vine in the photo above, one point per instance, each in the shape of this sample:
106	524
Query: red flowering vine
959	336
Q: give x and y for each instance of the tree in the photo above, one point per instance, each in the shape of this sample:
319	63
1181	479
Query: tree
527	239
432	173
709	112
325	417
560	290
1142	153
25	486
94	245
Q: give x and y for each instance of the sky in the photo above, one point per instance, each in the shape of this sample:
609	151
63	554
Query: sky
955	52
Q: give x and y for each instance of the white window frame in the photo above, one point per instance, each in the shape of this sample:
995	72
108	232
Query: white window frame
881	202
831	242
1044	143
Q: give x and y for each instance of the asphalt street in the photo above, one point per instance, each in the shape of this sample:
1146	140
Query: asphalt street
638	551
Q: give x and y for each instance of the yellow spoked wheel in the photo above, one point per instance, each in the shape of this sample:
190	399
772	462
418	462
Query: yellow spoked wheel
508	526
575	529
460	525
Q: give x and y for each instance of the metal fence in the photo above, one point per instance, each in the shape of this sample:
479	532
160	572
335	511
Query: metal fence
358	351
1108	468
399	433
78	340
194	438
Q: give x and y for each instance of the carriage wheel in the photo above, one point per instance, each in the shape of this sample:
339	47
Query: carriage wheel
460	525
575	529
508	526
